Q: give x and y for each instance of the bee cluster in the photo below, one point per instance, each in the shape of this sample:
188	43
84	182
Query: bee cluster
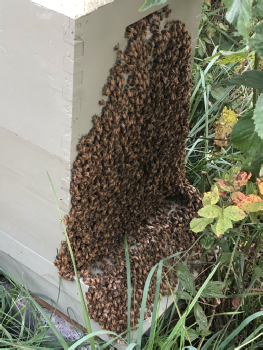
130	161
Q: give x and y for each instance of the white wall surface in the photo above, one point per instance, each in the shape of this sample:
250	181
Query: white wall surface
73	8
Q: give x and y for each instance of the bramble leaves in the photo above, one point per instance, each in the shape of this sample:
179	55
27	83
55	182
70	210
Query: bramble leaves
234	213
213	290
232	173
251	203
237	197
207	242
252	78
225	186
239	14
198	224
241	179
200	317
186	279
244	137
222	225
183	295
150	3
210	211
258	119
211	197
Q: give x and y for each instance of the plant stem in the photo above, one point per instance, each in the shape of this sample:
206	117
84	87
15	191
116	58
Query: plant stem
232	258
255	91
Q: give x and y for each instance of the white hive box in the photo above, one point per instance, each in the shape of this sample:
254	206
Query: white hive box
55	57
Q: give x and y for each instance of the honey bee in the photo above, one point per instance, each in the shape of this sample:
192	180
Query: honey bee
102	103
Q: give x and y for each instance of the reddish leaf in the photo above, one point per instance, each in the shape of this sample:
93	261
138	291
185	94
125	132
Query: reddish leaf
225	186
237	197
242	178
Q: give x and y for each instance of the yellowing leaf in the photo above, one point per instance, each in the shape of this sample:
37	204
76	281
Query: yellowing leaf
215	195
242	178
211	197
210	211
251	203
225	186
234	57
260	186
234	213
224	127
222	225
198	224
237	197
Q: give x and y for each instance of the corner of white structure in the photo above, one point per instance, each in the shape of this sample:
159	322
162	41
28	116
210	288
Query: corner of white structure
72	8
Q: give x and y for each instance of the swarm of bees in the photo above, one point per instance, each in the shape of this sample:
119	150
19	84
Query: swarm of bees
127	165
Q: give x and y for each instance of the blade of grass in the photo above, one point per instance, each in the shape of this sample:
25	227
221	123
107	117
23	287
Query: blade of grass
144	298
38	307
239	347
155	304
89	336
82	301
128	270
249	338
223	345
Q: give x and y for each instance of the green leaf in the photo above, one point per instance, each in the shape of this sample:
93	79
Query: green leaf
207	242
217	92
210	31
234	213
225	257
251	188
256	163
183	295
256	41
239	14
210	211
200	317
223	224
252	78
258	116
186	279
150	3
213	290
258	9
254	217
192	334
201	47
243	136
198	224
